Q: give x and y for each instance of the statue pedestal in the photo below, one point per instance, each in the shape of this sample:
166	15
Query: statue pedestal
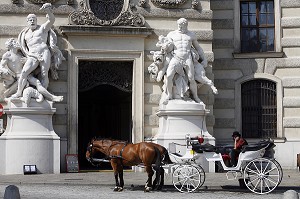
179	118
29	138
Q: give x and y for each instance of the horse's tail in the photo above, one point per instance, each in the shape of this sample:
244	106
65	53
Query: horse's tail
166	158
158	158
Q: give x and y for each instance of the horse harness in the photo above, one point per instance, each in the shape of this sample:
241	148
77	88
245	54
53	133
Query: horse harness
108	157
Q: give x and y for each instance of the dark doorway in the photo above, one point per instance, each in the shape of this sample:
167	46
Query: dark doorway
104	105
259	109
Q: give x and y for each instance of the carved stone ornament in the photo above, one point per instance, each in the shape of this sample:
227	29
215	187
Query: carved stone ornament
117	74
168	3
106	13
42	1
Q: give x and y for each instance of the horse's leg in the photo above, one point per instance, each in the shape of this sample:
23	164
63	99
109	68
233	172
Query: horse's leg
121	176
157	167
116	174
149	181
159	177
162	178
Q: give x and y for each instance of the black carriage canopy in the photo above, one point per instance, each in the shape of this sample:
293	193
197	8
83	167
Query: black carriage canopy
200	148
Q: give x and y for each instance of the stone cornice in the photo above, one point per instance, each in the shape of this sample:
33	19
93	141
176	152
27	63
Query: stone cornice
258	55
204	35
175	13
146	12
33	8
106	30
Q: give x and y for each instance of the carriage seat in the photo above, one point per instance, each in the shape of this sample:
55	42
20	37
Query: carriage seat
267	144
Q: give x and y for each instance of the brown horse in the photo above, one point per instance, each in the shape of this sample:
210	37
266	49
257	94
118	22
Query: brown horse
121	153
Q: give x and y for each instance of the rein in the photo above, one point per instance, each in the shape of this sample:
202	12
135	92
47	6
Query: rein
94	160
108	157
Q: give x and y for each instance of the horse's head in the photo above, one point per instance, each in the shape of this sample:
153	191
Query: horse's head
95	146
89	152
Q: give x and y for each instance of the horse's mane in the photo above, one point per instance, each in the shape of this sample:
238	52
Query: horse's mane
111	139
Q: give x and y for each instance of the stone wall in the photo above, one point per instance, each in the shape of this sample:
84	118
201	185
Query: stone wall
231	68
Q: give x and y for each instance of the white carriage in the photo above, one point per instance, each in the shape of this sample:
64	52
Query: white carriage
261	175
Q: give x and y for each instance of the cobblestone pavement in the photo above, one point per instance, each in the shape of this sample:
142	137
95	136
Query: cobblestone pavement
100	184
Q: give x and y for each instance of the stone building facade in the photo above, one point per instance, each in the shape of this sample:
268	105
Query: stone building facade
92	49
232	69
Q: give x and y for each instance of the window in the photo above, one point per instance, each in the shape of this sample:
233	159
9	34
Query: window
259	109
257	26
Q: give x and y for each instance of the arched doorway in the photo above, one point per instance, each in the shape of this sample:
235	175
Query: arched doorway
104	104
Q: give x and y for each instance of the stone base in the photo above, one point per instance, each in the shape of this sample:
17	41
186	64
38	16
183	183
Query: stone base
179	118
29	139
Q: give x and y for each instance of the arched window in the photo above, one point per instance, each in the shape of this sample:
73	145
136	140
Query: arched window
259	109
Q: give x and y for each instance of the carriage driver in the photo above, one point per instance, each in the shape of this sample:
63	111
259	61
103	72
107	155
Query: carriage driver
239	142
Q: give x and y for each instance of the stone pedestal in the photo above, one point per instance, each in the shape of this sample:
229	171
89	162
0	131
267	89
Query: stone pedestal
29	138
179	118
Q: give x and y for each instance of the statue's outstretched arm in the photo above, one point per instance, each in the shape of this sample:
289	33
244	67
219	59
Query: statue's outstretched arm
50	16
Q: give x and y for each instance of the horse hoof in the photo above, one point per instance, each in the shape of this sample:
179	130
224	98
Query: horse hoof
147	189
118	189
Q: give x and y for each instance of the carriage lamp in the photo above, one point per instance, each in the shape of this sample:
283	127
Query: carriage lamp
29	169
200	140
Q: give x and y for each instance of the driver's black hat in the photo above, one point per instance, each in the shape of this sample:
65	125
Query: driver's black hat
236	134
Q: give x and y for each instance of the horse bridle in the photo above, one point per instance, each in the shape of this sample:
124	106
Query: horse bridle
91	160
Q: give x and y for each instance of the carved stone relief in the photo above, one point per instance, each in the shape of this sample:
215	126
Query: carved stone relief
94	73
42	1
168	3
69	2
106	13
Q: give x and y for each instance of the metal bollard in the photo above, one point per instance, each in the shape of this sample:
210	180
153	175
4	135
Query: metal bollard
12	192
290	194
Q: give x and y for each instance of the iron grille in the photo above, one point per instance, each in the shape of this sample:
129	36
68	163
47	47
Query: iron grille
259	109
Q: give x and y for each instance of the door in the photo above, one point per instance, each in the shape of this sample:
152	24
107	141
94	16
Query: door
104	107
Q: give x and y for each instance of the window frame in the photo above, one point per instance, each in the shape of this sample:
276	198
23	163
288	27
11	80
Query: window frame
279	97
237	28
257	27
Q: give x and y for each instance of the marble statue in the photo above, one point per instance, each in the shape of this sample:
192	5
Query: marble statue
177	64
38	44
25	66
11	67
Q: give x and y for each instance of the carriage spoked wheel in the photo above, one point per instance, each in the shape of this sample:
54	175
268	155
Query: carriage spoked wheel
262	175
188	178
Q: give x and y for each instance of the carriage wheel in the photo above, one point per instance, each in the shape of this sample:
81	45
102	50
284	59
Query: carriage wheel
188	178
262	175
280	170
